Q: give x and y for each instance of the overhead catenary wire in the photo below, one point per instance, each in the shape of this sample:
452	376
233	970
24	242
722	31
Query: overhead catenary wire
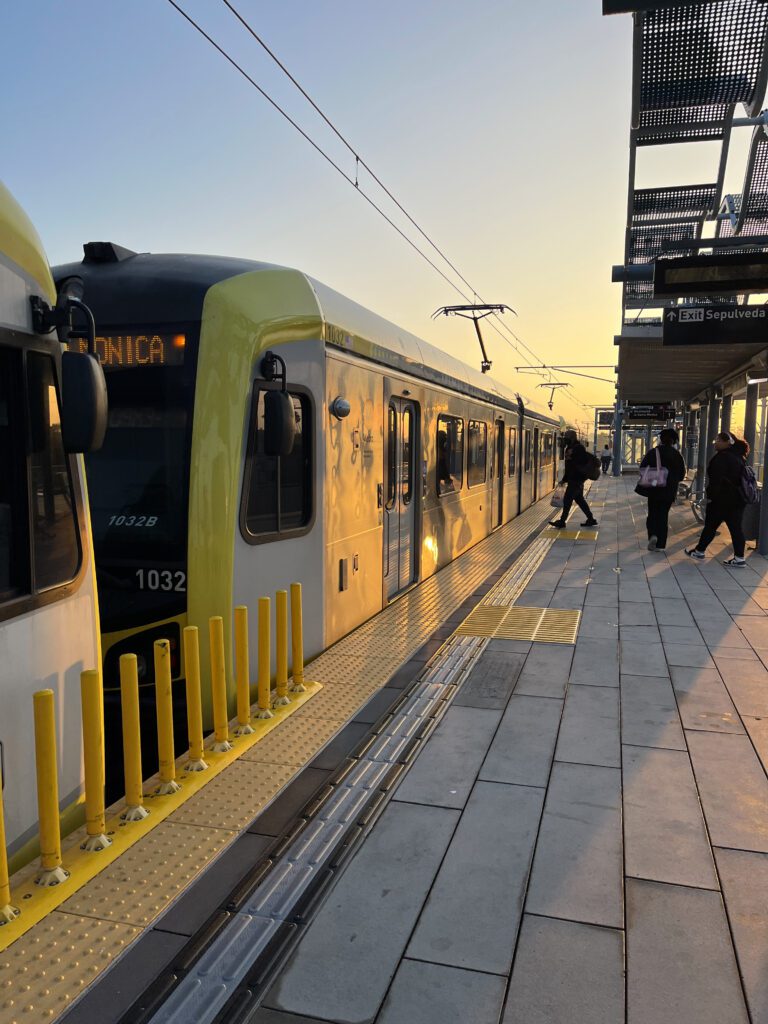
354	182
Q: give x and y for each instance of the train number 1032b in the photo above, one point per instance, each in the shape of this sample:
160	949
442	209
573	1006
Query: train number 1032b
161	579
133	520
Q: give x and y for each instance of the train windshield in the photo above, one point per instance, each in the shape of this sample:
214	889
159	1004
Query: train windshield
138	489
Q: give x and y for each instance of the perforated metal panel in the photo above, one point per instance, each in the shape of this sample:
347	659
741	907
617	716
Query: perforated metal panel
659	204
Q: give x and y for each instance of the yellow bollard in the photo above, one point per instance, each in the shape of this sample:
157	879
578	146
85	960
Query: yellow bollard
242	670
265	662
297	640
129	702
8	912
219	686
52	873
196	762
281	653
164	708
93	761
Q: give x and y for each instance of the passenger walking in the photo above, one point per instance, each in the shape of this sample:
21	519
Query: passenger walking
726	500
661	498
575	471
606	458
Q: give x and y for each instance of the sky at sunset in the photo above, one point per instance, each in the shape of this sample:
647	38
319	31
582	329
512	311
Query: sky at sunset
500	125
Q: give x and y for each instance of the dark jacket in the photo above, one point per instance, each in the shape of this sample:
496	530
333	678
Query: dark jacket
723	478
673	462
576	463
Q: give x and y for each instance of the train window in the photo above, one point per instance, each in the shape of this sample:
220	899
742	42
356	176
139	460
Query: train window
512	450
13	486
56	545
528	449
450	454
546	454
278	488
391	455
405	463
477	452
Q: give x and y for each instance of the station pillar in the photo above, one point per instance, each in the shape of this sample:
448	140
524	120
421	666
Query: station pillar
649	437
701	460
762	536
618	417
750	421
713	427
725	414
688	439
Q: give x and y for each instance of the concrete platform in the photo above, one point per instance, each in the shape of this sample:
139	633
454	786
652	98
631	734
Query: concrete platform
591	821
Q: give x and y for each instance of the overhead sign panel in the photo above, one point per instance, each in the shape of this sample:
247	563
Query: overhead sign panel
717	274
715	325
657	413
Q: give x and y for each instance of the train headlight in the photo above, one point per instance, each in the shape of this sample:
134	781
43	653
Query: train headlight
340	408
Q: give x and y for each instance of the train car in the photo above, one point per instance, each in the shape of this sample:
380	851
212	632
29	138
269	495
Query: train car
49	625
391	460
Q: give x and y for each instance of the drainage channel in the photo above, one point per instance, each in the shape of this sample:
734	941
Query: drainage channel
227	980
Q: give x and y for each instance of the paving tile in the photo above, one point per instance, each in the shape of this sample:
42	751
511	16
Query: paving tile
566	973
509	646
664	834
739	602
681	967
578	867
665	586
703	700
639	634
287	805
649	716
680	634
747	683
573	577
405	674
595	662
601	595
599	622
491	681
633	590
524	743
717	635
673	612
378	705
546	670
757	729
635	613
126	981
343	743
754	629
643	659
744	878
589	733
568	597
535	598
733	790
361	930
473	911
432	994
688	655
728	654
447	767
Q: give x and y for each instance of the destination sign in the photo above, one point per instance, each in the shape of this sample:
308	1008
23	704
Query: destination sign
123	351
715	325
658	413
605	419
717	274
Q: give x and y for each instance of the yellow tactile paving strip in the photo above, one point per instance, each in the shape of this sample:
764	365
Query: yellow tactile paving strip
557	534
544	625
108	912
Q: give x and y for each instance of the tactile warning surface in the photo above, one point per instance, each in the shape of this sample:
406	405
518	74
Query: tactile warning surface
141	883
44	971
545	625
233	799
552	531
300	743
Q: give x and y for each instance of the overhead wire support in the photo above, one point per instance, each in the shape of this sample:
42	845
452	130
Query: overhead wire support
475	312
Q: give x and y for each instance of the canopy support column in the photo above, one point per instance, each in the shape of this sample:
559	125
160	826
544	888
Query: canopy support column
618	418
750	421
701	461
762	536
725	414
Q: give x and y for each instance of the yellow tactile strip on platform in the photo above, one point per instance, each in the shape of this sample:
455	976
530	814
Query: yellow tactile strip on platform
557	534
518	622
45	971
233	799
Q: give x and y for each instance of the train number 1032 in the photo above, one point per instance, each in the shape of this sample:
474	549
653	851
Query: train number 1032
161	579
133	520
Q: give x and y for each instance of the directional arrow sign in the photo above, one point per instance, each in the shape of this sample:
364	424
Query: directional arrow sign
715	325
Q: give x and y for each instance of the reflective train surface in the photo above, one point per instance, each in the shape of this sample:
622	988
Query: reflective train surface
264	429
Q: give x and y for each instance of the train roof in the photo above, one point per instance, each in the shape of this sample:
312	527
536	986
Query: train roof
179	281
24	268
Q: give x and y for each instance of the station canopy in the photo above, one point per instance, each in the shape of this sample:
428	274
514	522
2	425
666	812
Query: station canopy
699	73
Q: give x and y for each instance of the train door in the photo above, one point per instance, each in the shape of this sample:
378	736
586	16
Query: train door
498	494
400	523
536	459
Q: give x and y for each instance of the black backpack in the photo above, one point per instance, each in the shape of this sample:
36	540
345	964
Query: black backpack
592	467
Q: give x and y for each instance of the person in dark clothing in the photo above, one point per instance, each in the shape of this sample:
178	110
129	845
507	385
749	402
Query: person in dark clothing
605	459
725	502
576	458
661	499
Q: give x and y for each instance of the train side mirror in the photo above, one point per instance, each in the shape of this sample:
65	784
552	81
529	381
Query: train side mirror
83	402
279	423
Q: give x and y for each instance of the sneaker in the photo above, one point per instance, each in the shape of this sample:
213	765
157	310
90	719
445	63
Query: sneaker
558	523
590	522
652	543
736	562
695	553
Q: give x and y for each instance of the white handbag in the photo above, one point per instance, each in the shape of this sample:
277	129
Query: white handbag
654	477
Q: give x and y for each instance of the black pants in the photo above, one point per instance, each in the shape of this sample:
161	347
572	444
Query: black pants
732	515
657	522
606	463
574	491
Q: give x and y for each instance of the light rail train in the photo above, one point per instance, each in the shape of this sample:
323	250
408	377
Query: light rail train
52	404
394	458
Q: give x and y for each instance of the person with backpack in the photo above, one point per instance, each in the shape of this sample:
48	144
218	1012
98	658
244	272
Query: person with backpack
661	471
606	457
579	466
730	488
